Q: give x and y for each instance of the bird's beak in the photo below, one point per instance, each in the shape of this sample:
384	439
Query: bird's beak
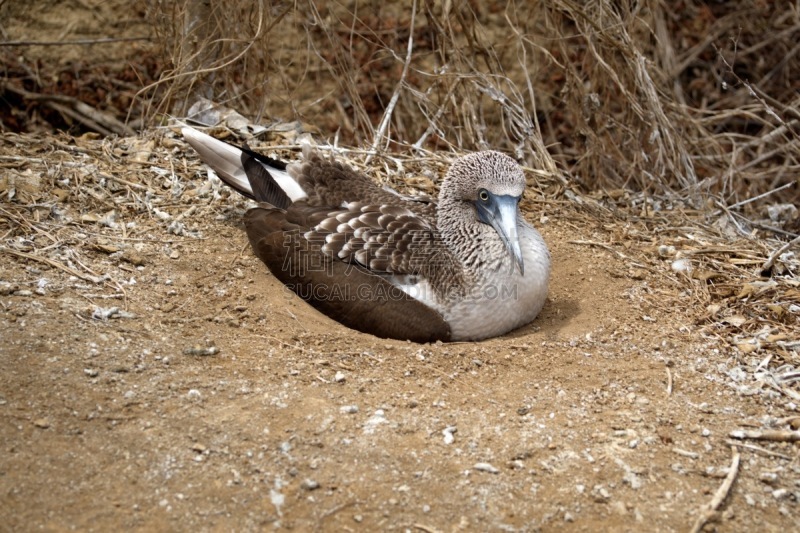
500	212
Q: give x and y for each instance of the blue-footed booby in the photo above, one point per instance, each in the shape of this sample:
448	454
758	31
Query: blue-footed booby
467	267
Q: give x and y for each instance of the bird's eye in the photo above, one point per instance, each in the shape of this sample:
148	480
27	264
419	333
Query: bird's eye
483	194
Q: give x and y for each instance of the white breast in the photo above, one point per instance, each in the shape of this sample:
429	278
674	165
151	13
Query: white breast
502	302
499	301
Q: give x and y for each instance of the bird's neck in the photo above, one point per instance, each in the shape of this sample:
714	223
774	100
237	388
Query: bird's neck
464	234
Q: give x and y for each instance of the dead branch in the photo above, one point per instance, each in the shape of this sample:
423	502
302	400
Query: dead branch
710	510
387	115
777	253
73	108
775	435
80	42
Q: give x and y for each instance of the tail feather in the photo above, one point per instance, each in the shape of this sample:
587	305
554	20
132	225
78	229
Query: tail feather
253	175
263	185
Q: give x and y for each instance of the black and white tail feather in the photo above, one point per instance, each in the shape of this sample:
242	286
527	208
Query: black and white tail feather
253	175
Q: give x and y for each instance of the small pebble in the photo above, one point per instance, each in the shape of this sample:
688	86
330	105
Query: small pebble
374	421
448	434
349	409
309	484
620	508
194	394
780	494
666	251
681	265
7	288
201	350
339	377
104	313
133	257
600	494
486	467
516	464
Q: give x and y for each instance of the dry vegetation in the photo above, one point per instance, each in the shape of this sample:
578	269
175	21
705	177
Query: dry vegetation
694	98
697	99
671	129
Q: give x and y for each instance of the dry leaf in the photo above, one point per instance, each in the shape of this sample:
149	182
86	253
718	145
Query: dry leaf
735	320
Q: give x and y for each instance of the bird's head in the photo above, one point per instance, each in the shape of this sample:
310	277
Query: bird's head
490	185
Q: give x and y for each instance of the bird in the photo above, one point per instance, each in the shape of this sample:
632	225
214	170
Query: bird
465	266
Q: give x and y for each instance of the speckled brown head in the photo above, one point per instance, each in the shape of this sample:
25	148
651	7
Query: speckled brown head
484	187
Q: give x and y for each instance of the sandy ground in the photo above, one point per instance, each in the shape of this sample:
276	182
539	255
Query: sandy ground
157	377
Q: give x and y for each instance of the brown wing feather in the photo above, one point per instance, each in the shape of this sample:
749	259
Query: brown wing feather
383	238
347	293
331	183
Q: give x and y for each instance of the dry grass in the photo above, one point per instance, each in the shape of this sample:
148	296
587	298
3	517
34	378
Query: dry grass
698	101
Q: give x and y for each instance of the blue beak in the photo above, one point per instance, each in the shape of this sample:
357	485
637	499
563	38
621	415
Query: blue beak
500	212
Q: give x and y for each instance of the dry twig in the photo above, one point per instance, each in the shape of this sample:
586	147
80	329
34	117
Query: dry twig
760	450
669	379
387	115
75	42
68	106
52	263
710	510
775	435
777	253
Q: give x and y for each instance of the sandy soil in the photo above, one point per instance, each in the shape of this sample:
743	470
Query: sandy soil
212	399
156	377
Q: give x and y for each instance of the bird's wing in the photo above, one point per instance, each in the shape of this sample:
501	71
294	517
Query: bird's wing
335	287
383	238
335	184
